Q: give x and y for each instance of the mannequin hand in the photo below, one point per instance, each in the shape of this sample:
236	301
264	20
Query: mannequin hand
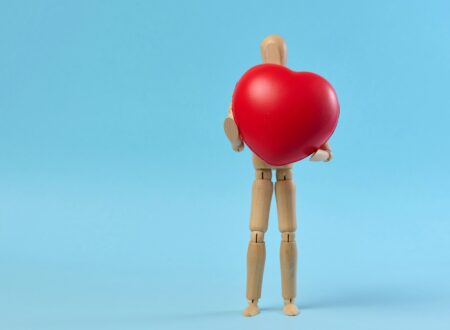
238	148
323	154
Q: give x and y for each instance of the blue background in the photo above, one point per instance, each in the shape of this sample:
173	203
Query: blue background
122	205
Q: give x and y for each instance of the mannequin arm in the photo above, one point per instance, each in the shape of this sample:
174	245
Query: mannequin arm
232	132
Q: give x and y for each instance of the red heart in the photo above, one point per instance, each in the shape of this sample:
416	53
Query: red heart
282	115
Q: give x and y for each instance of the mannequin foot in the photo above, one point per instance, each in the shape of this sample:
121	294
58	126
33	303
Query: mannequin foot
251	310
290	308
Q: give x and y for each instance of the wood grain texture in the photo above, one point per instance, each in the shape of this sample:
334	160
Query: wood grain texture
256	257
288	267
262	191
286	209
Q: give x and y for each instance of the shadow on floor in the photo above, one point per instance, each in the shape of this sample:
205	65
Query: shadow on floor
372	298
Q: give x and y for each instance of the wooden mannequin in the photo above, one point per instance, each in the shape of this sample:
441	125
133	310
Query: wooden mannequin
273	50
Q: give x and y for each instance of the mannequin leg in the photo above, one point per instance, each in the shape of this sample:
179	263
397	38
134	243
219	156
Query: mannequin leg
256	254
285	196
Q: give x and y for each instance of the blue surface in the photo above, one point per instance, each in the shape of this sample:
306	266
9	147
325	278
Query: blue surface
122	205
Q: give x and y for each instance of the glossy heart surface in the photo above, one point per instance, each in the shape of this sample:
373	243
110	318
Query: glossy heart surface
284	116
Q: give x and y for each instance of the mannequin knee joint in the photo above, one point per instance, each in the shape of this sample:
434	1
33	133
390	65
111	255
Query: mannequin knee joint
288	237
257	237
